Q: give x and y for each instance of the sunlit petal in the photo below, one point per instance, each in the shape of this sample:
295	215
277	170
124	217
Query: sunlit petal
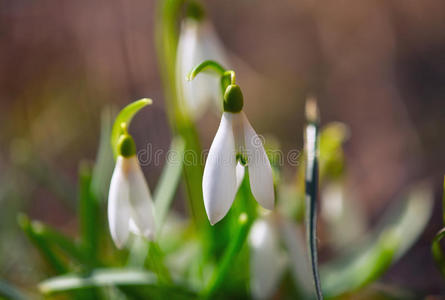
140	200
219	180
260	171
118	204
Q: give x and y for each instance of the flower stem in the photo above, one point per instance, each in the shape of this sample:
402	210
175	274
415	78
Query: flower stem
312	189
180	122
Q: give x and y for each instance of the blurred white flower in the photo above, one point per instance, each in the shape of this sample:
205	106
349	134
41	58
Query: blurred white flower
197	43
267	259
130	207
223	173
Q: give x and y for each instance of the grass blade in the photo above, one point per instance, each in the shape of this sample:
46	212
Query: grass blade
399	228
231	252
97	278
168	182
34	235
103	167
88	213
312	189
436	248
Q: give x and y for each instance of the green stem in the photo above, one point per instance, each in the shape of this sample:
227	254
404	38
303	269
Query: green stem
209	65
155	261
180	122
311	198
233	249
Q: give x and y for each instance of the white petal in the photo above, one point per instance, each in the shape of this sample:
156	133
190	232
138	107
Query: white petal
240	170
260	171
118	204
142	213
267	260
219	179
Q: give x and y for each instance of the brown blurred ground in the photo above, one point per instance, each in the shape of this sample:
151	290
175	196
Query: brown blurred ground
378	66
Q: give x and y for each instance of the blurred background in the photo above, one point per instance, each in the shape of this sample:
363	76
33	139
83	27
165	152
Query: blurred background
377	66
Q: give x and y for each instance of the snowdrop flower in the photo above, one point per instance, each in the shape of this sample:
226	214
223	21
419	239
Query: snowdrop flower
197	42
130	207
235	145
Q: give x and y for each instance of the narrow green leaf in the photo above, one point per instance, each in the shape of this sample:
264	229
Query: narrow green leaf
32	230
97	278
65	244
88	213
103	167
398	229
168	182
155	262
311	176
233	249
438	254
125	116
8	291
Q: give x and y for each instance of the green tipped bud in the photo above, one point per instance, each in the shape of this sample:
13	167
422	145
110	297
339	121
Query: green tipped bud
233	99
126	146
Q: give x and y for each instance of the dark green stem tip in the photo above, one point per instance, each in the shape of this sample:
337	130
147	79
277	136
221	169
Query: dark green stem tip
126	146
195	11
233	99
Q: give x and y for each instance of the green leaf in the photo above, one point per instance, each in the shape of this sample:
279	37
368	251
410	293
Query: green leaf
168	182
33	231
97	278
8	291
436	248
88	213
220	274
399	228
125	116
103	167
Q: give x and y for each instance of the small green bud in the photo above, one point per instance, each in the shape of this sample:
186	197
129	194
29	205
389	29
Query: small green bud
126	146
233	99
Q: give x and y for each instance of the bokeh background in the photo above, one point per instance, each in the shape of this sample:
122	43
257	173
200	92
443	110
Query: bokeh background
377	66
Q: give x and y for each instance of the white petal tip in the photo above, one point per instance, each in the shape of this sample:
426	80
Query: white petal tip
149	235
270	205
214	219
119	245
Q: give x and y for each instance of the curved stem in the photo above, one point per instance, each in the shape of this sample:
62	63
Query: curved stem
205	66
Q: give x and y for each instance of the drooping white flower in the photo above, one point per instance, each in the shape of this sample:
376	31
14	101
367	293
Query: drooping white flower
221	179
130	207
198	42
